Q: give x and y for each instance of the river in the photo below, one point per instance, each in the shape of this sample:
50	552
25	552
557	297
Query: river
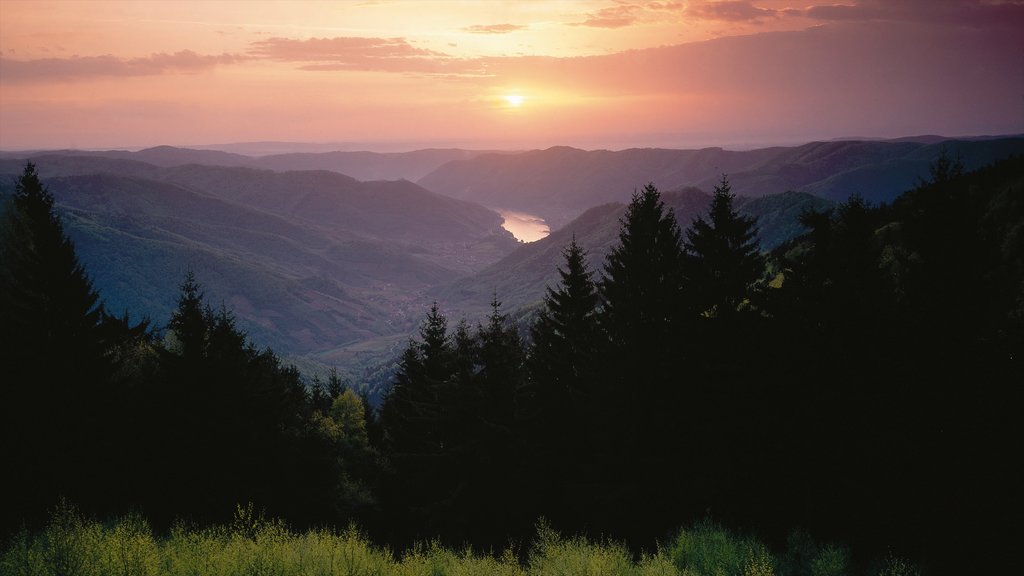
525	227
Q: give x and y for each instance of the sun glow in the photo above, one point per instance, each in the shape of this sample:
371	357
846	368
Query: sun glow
514	100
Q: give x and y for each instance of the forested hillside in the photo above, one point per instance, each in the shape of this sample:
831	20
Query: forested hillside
309	260
859	382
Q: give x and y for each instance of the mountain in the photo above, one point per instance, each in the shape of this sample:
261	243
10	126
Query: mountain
156	156
360	165
368	165
340	271
560	183
309	261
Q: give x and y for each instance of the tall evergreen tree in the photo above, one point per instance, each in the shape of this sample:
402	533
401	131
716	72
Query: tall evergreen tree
411	415
563	395
642	280
52	349
644	322
565	338
47	301
723	263
501	367
641	294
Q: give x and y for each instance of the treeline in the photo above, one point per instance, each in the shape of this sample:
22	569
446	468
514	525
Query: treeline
860	382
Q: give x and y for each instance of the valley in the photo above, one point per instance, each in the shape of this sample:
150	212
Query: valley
333	270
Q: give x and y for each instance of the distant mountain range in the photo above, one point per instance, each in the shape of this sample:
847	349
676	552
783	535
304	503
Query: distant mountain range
560	183
359	165
338	269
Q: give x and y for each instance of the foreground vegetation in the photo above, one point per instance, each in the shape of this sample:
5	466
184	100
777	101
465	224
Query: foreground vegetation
71	544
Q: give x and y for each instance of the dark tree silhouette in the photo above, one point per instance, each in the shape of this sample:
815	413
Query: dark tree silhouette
54	354
642	277
723	263
564	397
564	339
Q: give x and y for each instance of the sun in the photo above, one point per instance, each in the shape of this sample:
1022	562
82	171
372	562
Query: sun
514	100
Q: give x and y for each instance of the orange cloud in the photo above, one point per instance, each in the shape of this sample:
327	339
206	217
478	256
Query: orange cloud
83	67
628	13
494	28
363	54
731	11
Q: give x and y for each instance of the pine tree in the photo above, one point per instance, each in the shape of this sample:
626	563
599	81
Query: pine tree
411	415
565	339
641	292
723	263
563	395
56	388
435	347
47	301
501	367
642	276
190	322
644	322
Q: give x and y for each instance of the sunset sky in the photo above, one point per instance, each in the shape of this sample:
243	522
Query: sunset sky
407	74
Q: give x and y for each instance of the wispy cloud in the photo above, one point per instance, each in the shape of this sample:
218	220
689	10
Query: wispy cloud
627	13
957	12
82	67
494	28
363	54
731	11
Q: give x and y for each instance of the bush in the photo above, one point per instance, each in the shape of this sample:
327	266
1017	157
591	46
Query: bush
254	546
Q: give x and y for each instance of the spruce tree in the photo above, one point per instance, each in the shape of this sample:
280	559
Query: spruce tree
723	263
642	280
563	396
644	323
190	322
56	369
641	314
565	343
47	301
501	367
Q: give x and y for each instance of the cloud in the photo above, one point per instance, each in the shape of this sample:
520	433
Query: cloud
977	13
628	13
731	11
494	28
363	54
83	67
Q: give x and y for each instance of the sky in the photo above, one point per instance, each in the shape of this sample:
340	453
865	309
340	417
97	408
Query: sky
407	74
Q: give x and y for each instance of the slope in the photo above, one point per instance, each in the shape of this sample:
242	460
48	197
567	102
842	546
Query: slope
309	261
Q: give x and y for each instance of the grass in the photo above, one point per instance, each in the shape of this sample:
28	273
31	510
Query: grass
251	545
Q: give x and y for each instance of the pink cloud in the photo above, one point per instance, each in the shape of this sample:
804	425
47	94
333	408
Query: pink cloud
628	13
82	67
365	54
731	11
980	13
494	28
